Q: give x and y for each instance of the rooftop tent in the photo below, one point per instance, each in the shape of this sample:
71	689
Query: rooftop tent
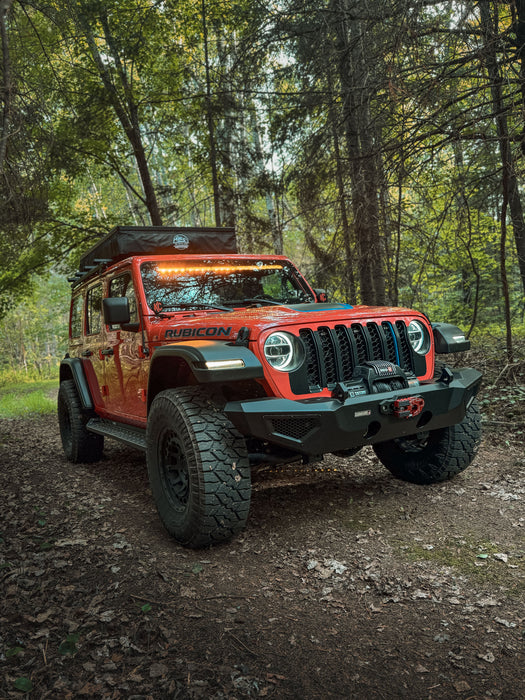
123	241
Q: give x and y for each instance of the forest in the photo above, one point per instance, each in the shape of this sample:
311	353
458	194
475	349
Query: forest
380	145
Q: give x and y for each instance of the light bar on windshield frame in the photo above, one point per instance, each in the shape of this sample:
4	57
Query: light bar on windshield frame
224	269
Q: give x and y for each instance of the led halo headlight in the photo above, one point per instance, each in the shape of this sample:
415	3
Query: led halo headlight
284	351
418	337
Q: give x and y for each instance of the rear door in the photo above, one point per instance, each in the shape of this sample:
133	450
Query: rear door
93	343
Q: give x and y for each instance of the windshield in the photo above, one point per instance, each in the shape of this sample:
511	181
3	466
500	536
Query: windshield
183	284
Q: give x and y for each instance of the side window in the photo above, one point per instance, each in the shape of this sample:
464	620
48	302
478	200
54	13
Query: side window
94	310
76	316
122	286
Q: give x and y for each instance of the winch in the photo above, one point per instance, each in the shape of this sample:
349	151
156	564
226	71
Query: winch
374	377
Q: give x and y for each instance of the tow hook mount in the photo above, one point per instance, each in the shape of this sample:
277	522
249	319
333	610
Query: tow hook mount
407	407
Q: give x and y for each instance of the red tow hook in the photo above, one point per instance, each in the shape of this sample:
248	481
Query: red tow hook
408	407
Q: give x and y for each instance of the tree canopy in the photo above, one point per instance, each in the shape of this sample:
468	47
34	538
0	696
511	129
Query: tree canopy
381	145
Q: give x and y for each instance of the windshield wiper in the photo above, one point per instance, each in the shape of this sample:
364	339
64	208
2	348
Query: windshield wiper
195	305
255	300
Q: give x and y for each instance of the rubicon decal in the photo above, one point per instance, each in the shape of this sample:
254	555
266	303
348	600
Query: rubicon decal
210	332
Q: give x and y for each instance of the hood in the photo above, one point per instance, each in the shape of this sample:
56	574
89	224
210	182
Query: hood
226	326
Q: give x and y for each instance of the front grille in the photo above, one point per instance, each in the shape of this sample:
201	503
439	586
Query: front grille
332	353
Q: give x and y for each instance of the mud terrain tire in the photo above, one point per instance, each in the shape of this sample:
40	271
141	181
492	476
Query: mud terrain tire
434	456
198	468
79	444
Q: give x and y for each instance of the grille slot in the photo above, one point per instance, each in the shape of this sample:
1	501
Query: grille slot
405	358
348	351
332	353
294	427
313	364
359	335
377	345
329	351
393	354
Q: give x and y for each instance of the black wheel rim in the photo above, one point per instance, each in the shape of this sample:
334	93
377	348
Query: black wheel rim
174	470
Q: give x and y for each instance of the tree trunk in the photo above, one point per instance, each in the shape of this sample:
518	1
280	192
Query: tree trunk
503	271
226	129
362	152
348	273
510	180
519	31
7	86
209	120
269	197
127	112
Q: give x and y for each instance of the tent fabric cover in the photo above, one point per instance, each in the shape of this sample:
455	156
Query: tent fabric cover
123	241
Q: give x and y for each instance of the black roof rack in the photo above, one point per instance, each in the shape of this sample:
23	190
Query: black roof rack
123	241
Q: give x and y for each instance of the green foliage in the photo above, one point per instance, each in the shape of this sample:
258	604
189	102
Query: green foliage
29	398
33	334
13	651
24	684
69	646
295	132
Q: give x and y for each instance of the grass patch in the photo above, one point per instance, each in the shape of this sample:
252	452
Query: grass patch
474	559
28	398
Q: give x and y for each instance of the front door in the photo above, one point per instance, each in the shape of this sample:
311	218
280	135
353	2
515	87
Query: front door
124	361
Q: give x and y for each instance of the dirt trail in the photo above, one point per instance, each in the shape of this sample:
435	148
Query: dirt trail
345	584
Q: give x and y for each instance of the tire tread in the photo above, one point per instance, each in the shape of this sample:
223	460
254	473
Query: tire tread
221	506
449	452
80	445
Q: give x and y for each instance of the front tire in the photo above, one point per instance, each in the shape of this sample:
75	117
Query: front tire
198	468
79	444
434	456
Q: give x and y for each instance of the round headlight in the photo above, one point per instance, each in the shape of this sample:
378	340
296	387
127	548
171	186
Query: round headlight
283	351
418	337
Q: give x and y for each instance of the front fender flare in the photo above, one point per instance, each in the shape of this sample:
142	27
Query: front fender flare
72	367
197	354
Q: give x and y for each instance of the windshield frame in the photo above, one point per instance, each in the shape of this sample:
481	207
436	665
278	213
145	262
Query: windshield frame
231	283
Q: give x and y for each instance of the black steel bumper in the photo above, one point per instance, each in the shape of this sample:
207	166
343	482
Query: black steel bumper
318	426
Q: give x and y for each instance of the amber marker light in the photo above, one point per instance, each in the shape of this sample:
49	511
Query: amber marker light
221	269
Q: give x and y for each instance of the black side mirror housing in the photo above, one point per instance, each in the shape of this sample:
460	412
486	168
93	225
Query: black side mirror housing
116	310
449	338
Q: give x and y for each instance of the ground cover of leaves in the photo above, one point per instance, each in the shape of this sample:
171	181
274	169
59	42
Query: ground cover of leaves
346	582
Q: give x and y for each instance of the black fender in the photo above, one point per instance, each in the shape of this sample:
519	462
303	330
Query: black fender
206	361
449	338
71	368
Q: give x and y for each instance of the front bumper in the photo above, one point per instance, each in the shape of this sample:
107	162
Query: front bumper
318	426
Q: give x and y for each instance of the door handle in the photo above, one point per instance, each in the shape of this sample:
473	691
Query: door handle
107	351
87	353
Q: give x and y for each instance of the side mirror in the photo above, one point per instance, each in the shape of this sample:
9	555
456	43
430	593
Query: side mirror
449	338
321	295
116	310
